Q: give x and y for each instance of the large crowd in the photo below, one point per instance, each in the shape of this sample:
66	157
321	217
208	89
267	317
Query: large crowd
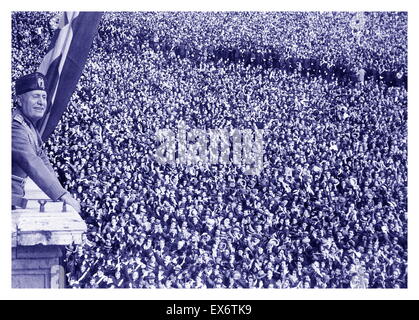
329	208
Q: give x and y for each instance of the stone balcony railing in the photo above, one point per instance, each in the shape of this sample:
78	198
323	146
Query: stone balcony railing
39	234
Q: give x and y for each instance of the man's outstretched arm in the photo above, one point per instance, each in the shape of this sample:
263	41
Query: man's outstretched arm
35	167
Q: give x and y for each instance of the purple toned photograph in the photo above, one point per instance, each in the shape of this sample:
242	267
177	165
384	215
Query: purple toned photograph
200	150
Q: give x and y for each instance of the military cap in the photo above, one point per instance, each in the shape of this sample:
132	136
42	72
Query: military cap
30	82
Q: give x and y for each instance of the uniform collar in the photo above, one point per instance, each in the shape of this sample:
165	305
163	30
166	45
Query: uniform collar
18	113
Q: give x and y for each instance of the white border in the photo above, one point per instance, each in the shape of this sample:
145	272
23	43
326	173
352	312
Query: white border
215	5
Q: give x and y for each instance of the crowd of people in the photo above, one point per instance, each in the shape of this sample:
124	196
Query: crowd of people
320	43
329	208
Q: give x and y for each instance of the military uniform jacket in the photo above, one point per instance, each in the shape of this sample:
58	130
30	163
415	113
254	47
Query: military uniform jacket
29	159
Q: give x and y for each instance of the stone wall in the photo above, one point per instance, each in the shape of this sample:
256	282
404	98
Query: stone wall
37	267
38	241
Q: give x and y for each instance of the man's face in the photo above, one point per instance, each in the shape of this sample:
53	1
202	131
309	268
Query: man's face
180	245
33	104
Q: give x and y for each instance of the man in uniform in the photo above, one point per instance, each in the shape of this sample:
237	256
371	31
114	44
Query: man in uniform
28	156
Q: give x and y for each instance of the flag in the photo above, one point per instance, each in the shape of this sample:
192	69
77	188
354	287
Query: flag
64	63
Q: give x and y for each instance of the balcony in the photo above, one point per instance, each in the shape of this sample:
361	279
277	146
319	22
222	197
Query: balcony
39	234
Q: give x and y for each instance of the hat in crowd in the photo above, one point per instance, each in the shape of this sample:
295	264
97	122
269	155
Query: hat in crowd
150	276
30	82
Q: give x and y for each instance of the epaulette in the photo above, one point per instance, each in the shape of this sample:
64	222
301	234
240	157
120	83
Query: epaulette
18	117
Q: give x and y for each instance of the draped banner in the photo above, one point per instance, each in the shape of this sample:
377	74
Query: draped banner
64	63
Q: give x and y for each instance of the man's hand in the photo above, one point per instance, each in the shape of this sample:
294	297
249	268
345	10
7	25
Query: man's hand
68	199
